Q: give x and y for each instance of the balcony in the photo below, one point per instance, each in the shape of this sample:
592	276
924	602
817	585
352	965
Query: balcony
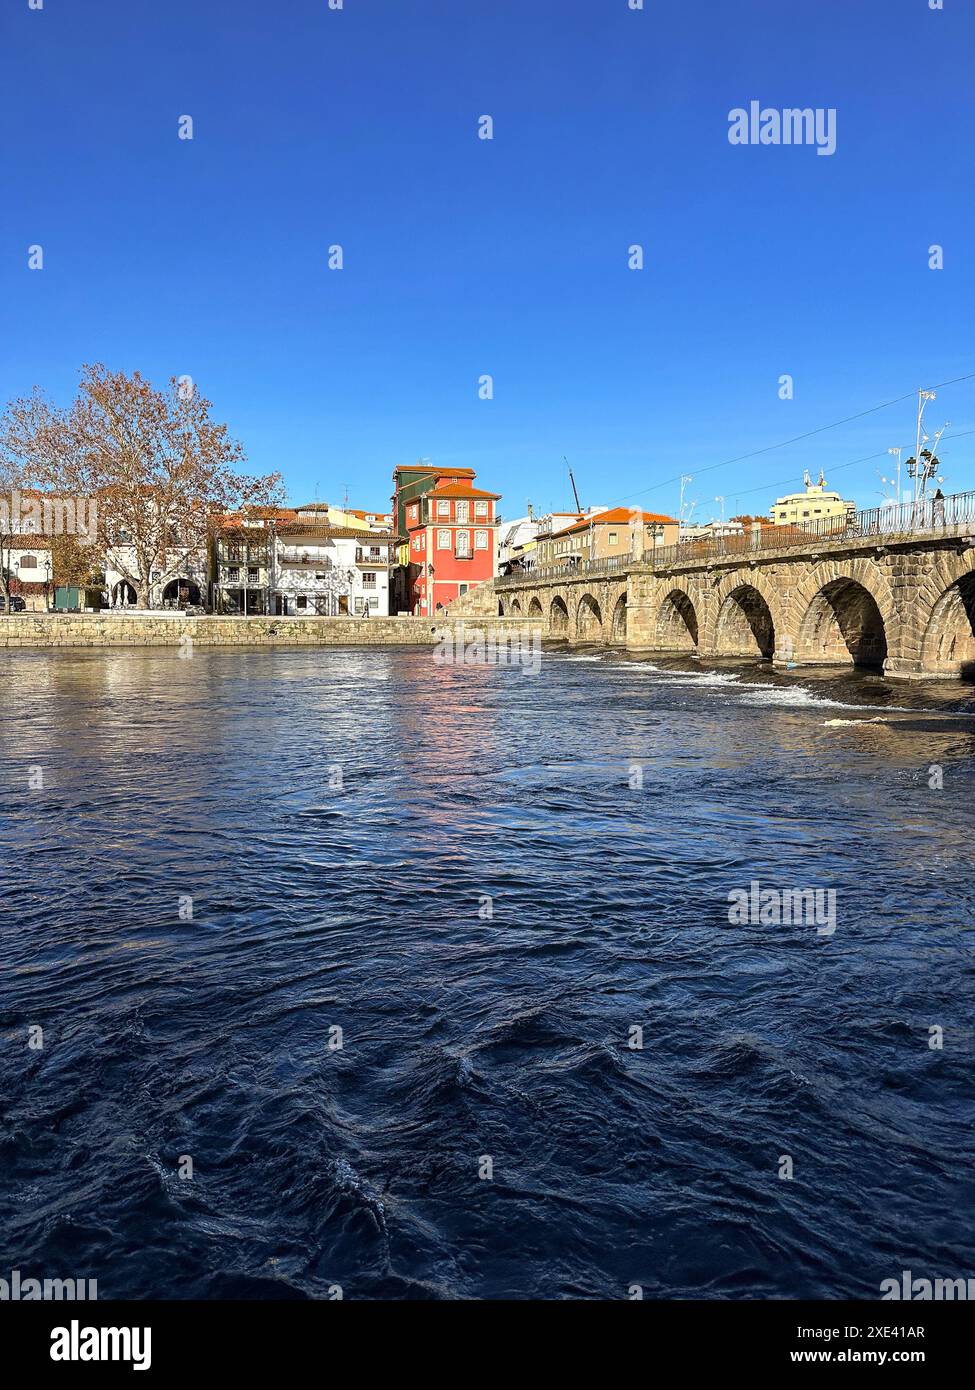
303	559
376	556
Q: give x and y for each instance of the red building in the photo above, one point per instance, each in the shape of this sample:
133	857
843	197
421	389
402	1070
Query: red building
451	531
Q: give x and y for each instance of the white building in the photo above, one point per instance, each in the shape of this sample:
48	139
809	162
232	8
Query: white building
516	542
330	571
183	582
711	530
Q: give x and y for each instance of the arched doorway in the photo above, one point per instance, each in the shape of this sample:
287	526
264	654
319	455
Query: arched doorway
179	592
745	626
123	595
843	623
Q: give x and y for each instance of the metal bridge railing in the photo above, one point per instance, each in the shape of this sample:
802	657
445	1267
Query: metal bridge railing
954	515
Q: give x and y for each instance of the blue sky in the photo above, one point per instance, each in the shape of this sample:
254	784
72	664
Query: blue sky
508	257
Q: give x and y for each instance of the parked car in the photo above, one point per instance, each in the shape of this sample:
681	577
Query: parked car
17	604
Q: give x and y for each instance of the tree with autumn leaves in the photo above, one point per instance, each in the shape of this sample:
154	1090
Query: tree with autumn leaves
159	469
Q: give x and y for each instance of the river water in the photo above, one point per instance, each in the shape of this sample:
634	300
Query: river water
488	881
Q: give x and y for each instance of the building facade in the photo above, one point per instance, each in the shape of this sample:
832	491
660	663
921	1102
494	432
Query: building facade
330	571
449	530
814	504
605	534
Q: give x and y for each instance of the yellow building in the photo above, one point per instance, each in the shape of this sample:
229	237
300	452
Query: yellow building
812	505
352	518
607	535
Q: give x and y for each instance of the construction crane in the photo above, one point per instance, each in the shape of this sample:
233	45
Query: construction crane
572	480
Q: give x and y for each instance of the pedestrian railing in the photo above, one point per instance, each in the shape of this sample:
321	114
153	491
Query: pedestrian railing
954	515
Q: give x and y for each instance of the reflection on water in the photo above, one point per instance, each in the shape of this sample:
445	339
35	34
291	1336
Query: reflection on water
453	866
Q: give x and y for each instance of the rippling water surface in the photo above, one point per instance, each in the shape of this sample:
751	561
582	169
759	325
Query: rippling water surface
364	907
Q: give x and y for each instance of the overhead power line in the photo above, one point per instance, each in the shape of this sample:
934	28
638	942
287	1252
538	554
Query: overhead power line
796	439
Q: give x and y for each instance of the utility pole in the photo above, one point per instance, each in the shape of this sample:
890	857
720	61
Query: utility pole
272	550
914	465
922	467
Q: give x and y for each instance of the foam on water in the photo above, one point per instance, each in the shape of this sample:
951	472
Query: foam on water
762	693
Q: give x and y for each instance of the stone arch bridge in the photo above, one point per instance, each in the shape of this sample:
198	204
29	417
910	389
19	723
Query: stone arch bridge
904	606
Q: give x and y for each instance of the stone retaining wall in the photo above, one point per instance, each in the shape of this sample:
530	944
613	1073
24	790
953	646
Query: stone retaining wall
107	630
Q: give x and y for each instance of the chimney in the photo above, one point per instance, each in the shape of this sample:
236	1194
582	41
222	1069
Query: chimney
531	514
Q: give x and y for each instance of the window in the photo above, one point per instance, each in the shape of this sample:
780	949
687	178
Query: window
480	540
414	512
463	547
463	511
233	574
252	576
28	562
301	603
321	574
443	509
480	511
462	590
613	537
443	540
417	542
368	580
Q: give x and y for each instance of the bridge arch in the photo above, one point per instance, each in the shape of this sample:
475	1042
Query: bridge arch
744	625
618	620
678	629
535	607
948	644
843	622
516	607
558	617
500	607
589	620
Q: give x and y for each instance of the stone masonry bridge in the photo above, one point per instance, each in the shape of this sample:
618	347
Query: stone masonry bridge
898	598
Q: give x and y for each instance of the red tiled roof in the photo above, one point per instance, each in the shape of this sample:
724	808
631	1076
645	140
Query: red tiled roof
443	489
618	516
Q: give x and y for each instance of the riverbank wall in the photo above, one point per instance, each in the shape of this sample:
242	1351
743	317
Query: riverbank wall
171	629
